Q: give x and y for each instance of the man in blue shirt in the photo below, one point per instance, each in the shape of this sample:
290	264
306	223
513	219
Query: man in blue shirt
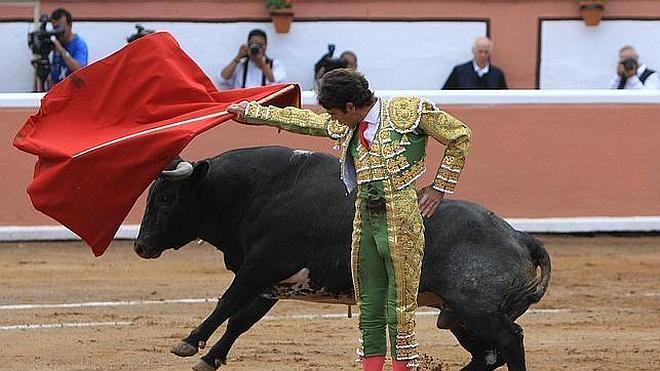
70	49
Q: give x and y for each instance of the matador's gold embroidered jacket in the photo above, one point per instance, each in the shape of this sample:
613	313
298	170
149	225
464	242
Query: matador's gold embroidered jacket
398	150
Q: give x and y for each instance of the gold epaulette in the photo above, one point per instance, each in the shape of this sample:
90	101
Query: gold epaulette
337	130
404	113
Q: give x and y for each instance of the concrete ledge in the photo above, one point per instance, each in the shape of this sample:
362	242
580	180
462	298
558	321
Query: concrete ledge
56	233
520	97
532	225
452	97
587	224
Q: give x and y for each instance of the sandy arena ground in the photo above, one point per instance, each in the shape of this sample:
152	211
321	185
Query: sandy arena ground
606	290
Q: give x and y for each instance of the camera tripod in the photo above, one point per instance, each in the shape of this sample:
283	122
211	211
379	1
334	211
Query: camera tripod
41	66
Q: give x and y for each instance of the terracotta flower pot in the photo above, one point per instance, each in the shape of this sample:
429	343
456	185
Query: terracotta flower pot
592	12
282	19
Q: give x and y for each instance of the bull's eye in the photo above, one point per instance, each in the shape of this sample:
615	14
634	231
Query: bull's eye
164	198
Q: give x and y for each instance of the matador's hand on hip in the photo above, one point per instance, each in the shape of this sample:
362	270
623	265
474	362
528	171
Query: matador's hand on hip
429	199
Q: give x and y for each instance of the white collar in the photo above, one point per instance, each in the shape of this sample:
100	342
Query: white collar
373	114
480	71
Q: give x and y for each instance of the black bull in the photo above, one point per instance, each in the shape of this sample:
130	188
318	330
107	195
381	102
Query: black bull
283	223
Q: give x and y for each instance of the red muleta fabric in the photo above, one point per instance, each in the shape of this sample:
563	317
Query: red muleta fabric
107	131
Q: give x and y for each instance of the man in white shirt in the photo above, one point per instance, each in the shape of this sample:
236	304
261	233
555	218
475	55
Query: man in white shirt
251	67
630	74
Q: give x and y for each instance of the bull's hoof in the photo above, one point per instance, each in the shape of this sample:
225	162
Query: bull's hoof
183	349
203	366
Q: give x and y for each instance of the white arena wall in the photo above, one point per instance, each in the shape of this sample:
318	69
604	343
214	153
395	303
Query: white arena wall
577	57
396	55
418	55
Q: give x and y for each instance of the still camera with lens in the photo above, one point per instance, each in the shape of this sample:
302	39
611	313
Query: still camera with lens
254	48
629	64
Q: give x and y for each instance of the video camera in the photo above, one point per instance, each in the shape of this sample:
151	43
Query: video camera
328	63
141	31
41	46
39	39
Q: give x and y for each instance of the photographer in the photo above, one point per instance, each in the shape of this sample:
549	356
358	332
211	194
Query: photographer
327	63
251	67
630	74
350	59
70	50
140	32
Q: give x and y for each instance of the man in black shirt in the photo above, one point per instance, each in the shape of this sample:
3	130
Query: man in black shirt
477	73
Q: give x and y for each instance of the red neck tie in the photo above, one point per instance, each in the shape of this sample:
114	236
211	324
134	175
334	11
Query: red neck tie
362	127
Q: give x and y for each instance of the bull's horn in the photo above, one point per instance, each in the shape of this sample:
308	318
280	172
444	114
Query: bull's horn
183	170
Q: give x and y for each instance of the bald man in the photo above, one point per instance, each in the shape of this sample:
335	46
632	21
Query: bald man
478	73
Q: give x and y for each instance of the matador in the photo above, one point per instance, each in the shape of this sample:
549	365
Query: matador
383	147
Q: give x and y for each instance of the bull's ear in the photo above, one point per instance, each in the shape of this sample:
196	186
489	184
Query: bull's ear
199	171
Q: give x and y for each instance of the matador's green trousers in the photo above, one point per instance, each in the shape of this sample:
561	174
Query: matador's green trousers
388	243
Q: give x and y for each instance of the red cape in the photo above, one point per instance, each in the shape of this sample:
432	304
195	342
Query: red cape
105	133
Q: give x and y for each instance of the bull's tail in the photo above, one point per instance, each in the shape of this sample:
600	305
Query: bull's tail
541	260
519	299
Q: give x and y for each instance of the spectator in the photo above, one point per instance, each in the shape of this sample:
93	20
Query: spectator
70	52
251	67
630	74
350	59
478	73
327	63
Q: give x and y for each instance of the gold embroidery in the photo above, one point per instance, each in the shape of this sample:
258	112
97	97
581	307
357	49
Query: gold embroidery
442	186
455	135
405	229
368	161
408	176
388	150
396	164
362	156
384	135
385	157
355	254
404	113
337	130
453	163
371	175
355	247
447	176
295	120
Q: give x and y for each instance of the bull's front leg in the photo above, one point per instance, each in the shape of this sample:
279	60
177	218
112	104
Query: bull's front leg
237	325
244	289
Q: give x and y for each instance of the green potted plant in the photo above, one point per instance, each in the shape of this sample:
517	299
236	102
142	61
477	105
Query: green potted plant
592	11
281	13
